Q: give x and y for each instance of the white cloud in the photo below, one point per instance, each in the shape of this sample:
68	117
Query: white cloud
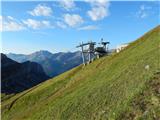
10	24
61	24
89	27
143	12
99	10
143	15
35	24
97	13
101	3
73	20
41	10
10	17
67	4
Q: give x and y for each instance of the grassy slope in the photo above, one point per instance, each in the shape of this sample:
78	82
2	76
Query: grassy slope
101	90
146	105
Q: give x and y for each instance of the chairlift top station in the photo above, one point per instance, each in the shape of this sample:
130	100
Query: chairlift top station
92	52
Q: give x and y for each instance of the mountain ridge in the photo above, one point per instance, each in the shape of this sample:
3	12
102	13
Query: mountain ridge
53	64
17	77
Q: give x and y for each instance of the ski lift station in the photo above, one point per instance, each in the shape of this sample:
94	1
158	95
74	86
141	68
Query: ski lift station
91	52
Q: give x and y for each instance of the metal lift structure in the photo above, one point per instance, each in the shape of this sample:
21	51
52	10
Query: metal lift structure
89	52
102	49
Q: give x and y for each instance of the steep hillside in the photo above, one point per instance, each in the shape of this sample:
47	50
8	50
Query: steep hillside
53	64
103	90
17	77
145	105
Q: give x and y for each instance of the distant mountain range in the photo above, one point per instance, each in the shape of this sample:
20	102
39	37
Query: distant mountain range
53	64
17	77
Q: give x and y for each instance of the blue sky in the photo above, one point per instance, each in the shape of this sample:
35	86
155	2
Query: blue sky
61	25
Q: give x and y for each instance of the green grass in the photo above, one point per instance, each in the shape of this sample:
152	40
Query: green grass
146	105
100	91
